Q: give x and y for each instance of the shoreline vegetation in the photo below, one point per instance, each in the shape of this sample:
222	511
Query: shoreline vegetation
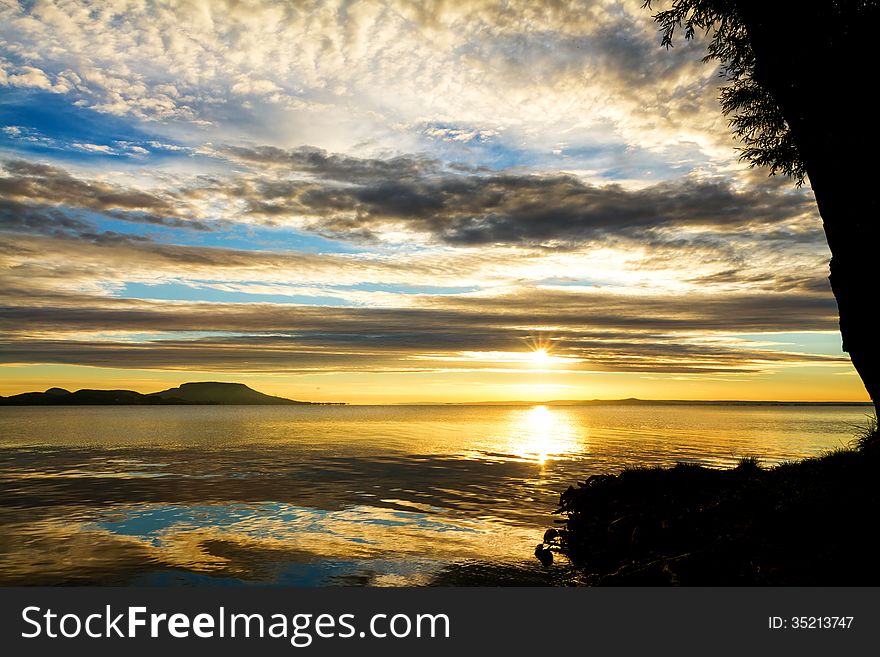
806	522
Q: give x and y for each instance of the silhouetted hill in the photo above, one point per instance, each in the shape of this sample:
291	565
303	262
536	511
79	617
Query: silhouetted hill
211	392
188	393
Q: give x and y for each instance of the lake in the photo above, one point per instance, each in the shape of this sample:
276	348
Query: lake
339	495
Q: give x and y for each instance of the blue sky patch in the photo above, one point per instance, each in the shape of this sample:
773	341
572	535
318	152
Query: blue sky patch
35	121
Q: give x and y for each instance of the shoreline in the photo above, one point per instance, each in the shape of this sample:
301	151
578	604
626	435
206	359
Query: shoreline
806	522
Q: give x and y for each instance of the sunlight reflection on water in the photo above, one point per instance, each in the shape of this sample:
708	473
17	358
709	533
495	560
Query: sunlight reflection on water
336	495
540	433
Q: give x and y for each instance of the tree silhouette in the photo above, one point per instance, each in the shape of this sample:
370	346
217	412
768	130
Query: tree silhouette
799	91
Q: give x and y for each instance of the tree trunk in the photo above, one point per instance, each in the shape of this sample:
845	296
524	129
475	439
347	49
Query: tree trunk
816	62
854	276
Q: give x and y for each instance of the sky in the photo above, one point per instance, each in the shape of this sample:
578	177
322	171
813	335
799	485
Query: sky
394	201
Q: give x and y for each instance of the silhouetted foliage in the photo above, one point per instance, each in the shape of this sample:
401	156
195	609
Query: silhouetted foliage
801	523
799	96
756	117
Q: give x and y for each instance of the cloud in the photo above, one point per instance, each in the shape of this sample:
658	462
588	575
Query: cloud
256	87
23	218
285	356
553	310
594	331
350	197
39	265
35	185
61	294
463	135
416	186
94	148
353	198
319	163
32	77
337	75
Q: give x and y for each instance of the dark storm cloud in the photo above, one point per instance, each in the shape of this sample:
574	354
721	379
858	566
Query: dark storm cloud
353	197
359	199
36	185
41	220
331	166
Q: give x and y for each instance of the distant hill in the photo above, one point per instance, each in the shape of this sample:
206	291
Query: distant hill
209	392
219	393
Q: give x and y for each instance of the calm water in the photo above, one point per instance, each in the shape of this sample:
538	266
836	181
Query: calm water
372	495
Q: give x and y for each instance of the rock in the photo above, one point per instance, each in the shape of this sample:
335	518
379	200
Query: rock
544	555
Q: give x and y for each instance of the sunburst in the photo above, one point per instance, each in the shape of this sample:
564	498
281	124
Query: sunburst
541	351
541	357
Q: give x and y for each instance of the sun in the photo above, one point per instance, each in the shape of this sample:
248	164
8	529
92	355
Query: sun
540	354
541	357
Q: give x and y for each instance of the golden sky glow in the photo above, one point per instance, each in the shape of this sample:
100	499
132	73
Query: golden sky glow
394	201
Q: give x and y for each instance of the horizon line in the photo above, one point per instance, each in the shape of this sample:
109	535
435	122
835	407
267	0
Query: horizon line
521	402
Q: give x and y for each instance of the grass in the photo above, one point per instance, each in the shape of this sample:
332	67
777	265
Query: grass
867	437
809	522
